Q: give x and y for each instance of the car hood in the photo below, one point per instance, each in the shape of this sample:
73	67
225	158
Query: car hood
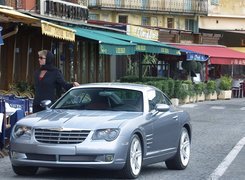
77	119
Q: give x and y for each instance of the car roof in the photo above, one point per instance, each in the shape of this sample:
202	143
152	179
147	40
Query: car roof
133	86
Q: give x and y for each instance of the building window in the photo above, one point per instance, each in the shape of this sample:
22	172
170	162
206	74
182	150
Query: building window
214	2
2	2
189	24
93	16
170	23
145	21
105	17
154	21
123	19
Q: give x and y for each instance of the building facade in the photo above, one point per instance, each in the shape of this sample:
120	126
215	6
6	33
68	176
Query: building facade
173	14
224	15
226	18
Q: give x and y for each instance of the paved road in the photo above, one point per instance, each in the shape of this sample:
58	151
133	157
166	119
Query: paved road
221	130
218	150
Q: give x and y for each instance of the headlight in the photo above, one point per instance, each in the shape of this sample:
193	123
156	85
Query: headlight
106	134
20	130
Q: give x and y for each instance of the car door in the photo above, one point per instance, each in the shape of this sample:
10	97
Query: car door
165	126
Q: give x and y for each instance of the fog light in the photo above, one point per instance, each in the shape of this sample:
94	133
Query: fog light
109	158
17	155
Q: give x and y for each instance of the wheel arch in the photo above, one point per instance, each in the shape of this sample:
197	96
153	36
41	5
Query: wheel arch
139	134
188	128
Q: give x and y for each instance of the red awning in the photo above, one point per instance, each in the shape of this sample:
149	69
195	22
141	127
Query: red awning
217	54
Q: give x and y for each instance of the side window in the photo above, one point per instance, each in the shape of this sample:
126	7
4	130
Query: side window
167	100
160	98
156	100
85	98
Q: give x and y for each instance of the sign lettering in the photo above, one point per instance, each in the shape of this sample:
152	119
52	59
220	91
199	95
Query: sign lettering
58	32
141	48
165	50
120	50
141	32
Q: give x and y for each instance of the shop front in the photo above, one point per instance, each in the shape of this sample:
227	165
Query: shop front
23	37
222	60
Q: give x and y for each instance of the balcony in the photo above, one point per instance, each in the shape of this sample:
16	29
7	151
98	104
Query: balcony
189	7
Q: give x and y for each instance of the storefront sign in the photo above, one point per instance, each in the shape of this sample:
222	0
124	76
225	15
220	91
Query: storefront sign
238	62
120	50
57	31
141	48
115	49
165	50
143	33
196	57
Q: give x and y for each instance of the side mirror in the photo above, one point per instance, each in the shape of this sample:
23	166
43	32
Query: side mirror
162	107
45	104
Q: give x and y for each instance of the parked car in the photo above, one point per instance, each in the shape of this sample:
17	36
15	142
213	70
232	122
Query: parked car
117	126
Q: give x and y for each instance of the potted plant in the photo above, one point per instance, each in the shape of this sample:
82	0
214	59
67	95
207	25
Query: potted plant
183	94
225	87
210	91
199	89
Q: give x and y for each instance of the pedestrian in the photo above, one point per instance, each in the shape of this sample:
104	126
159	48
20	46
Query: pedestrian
47	79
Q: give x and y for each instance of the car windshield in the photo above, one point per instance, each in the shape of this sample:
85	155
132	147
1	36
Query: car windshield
113	99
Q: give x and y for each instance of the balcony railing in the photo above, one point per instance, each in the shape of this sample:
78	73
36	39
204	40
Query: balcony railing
159	6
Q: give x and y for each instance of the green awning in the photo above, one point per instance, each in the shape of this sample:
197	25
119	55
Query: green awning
142	44
107	44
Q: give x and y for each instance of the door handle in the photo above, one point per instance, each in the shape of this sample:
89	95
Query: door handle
175	117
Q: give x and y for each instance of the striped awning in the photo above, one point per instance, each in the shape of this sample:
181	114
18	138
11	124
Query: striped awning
11	15
57	31
107	45
217	54
142	45
8	14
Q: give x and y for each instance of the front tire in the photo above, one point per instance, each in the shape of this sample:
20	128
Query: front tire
133	164
25	170
182	157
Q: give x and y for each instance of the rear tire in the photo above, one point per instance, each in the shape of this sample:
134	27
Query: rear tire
25	170
133	164
181	159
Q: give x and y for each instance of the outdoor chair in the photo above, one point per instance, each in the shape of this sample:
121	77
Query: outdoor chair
237	88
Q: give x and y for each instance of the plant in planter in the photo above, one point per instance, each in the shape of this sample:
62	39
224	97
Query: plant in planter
225	87
199	89
183	93
163	85
210	90
191	91
225	83
176	92
171	87
21	88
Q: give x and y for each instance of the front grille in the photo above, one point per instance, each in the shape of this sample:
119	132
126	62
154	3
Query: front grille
77	158
61	137
61	158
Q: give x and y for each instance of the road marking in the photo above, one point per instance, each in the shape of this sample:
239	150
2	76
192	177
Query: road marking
189	105
220	170
217	107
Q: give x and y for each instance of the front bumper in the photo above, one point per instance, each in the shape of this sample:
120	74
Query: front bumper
100	154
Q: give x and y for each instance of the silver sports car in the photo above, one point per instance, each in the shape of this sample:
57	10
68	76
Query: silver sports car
117	126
